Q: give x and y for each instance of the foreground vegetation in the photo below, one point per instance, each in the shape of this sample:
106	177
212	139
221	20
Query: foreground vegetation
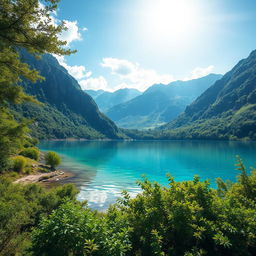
184	218
21	209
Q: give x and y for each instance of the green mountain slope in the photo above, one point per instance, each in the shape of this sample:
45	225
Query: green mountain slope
106	100
227	110
160	103
67	111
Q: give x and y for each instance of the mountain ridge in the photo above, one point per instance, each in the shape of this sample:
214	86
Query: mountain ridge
228	107
106	100
62	97
159	103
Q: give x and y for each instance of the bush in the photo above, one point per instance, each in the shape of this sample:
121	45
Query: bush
21	207
184	218
75	230
32	153
19	163
52	159
30	142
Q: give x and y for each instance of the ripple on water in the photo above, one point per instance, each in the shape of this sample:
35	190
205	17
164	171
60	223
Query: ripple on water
104	169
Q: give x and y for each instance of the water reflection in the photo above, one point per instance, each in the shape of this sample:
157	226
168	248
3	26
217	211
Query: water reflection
104	169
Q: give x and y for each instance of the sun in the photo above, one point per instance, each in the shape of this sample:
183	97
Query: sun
170	19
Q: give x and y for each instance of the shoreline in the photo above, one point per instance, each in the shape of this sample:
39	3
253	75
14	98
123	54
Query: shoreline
46	178
81	139
42	174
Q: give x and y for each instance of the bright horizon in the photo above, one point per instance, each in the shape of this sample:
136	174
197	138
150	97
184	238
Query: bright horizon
138	43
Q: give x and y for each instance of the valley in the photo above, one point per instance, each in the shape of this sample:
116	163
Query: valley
127	128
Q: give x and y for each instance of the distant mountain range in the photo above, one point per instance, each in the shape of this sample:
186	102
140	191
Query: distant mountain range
214	107
227	110
67	111
159	104
106	100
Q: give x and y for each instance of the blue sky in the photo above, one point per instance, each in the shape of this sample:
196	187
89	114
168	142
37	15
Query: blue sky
136	43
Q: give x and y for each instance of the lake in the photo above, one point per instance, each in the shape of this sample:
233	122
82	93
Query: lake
103	169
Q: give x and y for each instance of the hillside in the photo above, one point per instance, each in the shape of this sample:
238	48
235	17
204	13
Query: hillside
106	100
160	103
67	111
227	110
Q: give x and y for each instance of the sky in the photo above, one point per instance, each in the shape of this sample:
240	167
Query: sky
138	43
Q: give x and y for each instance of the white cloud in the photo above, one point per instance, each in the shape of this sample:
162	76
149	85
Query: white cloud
72	33
132	74
78	72
94	83
72	30
88	74
199	72
119	66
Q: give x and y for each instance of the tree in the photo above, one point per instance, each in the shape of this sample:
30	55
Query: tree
24	24
52	159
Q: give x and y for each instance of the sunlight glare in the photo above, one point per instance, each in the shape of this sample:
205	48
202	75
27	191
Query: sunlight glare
170	19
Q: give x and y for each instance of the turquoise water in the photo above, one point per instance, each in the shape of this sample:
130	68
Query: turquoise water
104	168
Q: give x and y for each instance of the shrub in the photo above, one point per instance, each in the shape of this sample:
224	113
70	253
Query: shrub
184	218
32	153
21	208
75	230
52	159
30	142
19	163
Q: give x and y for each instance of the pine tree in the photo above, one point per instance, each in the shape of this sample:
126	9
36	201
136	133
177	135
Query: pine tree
29	25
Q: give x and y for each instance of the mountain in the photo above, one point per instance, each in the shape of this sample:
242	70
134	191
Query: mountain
94	93
106	100
227	110
67	111
159	103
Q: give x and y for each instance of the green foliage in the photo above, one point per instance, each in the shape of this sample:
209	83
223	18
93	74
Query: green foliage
21	207
227	110
32	153
240	125
224	127
67	111
23	25
184	218
12	137
52	159
73	230
19	163
50	123
30	142
190	218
